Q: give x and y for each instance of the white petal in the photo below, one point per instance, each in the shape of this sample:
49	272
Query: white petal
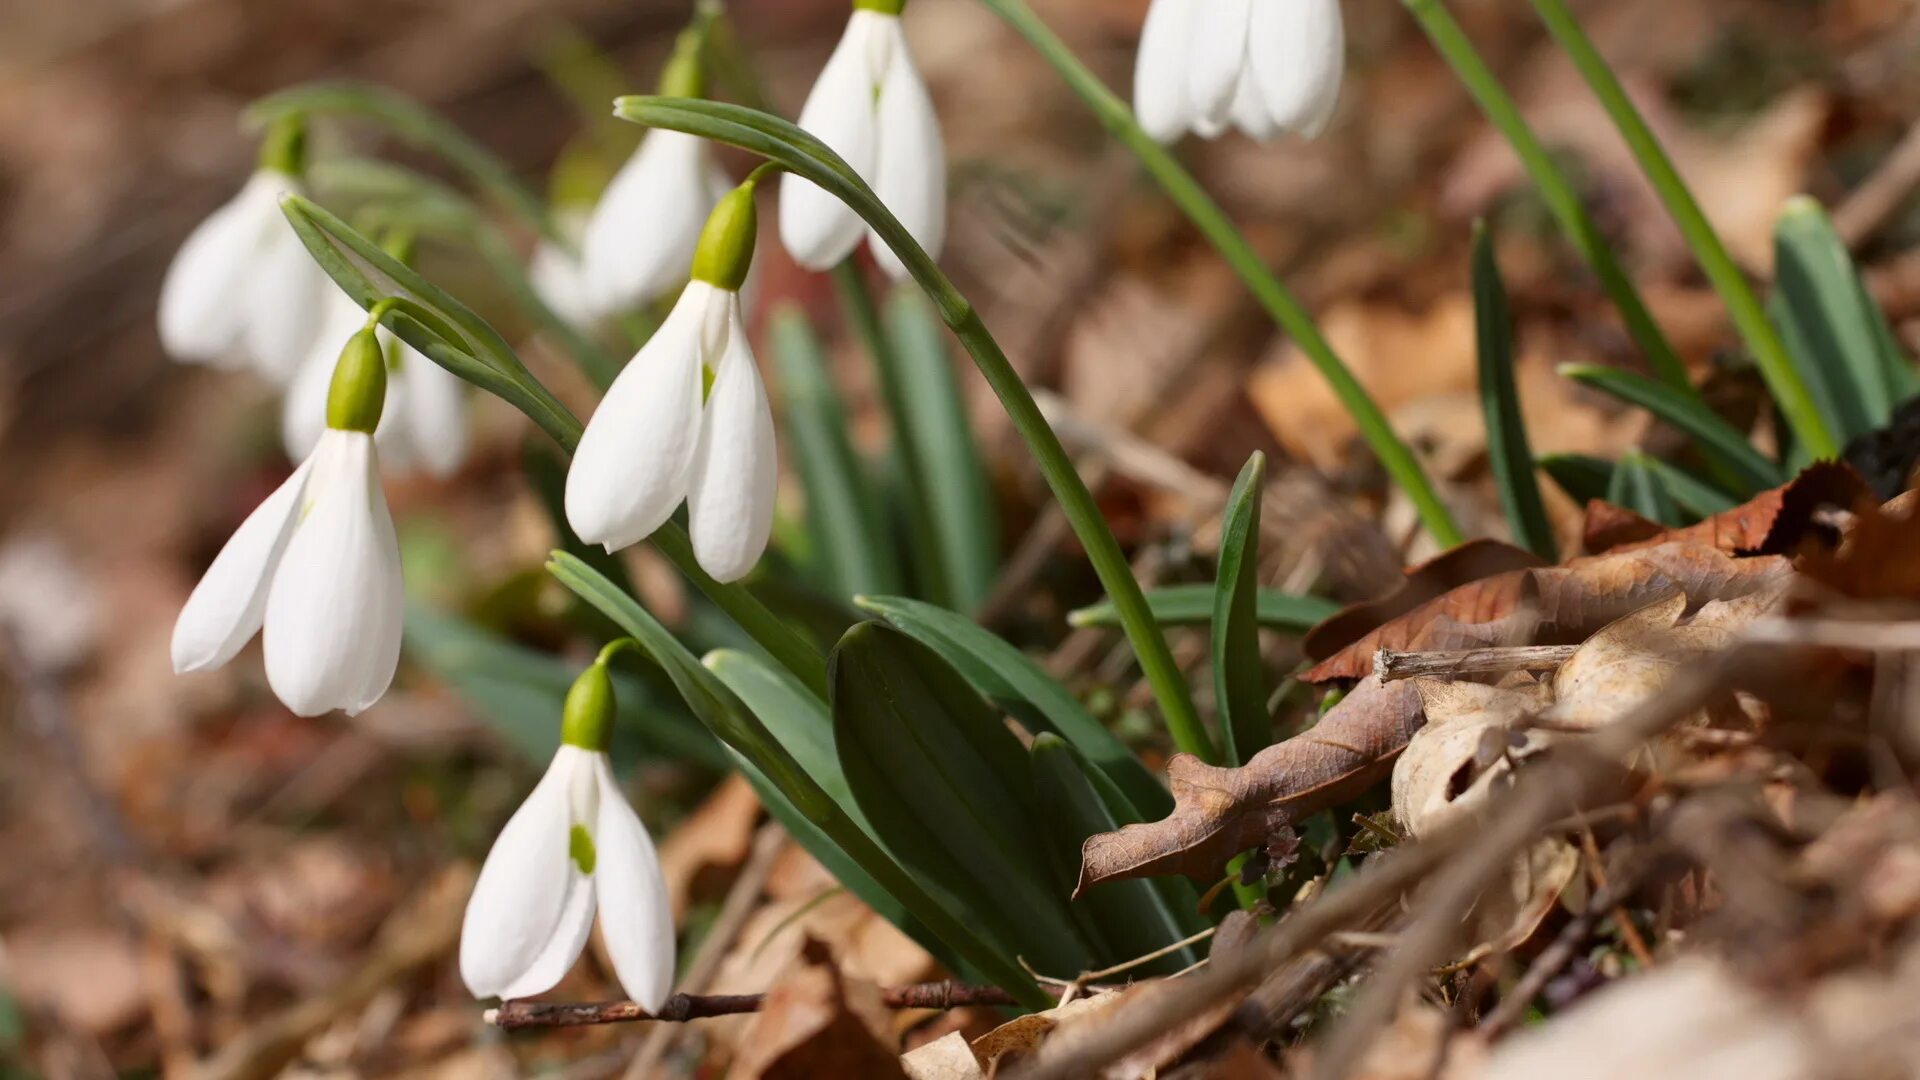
332	633
303	410
227	606
736	473
1297	54
432	412
1249	111
818	229
561	283
1160	71
522	890
200	318
1218	53
910	175
636	918
639	242
564	947
631	468
285	293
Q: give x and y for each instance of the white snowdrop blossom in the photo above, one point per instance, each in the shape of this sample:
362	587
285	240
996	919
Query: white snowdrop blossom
641	236
424	424
573	846
315	569
664	434
559	276
243	291
871	107
1264	66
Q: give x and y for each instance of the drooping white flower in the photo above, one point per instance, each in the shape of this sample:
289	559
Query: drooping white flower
662	435
243	291
559	276
871	107
1264	66
315	569
642	233
424	424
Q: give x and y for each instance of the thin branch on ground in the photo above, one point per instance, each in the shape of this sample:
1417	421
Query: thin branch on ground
1390	665
680	1008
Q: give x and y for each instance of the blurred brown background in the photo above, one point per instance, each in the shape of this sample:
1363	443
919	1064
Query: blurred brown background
186	868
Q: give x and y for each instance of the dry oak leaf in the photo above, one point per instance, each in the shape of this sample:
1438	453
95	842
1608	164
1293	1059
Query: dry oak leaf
1219	812
817	1022
1775	522
1464	753
946	1058
1880	557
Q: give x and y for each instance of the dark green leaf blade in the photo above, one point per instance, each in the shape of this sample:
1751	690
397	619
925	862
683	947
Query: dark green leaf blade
1239	686
1828	321
1507	449
1582	476
1190	605
1714	435
1638	488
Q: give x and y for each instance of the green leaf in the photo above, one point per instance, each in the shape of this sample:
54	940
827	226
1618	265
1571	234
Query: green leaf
1714	435
1188	605
1694	495
1013	681
1239	686
1582	476
1507	449
843	516
1831	326
518	692
934	419
1127	919
730	721
1638	488
947	788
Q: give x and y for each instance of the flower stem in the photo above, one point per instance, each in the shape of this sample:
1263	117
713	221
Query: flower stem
1213	223
1749	318
1555	190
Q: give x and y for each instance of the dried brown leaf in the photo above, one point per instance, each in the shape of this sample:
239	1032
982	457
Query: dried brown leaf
1775	522
1447	769
816	1022
946	1058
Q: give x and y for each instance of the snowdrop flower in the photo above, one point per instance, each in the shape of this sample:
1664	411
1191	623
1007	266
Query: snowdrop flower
871	108
315	569
559	276
243	291
662	434
574	845
424	424
643	230
1266	66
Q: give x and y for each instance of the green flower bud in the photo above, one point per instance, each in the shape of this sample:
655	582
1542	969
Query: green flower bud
884	7
684	75
726	243
284	149
359	389
586	720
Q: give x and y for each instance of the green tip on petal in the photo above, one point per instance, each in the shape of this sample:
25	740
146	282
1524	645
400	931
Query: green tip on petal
359	390
586	720
284	149
580	848
726	243
884	7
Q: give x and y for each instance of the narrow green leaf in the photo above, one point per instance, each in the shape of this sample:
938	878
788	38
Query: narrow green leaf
843	516
1129	918
717	707
1013	681
947	788
1507	449
1638	488
1188	605
1829	324
1694	495
1582	476
1239	686
934	419
1713	434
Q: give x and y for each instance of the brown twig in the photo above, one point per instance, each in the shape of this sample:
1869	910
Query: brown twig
680	1008
1558	953
1390	665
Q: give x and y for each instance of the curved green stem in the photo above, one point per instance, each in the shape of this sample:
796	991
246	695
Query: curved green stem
1776	367
1213	223
419	126
453	336
807	157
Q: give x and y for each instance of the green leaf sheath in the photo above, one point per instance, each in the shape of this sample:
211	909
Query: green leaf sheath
1508	451
806	156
